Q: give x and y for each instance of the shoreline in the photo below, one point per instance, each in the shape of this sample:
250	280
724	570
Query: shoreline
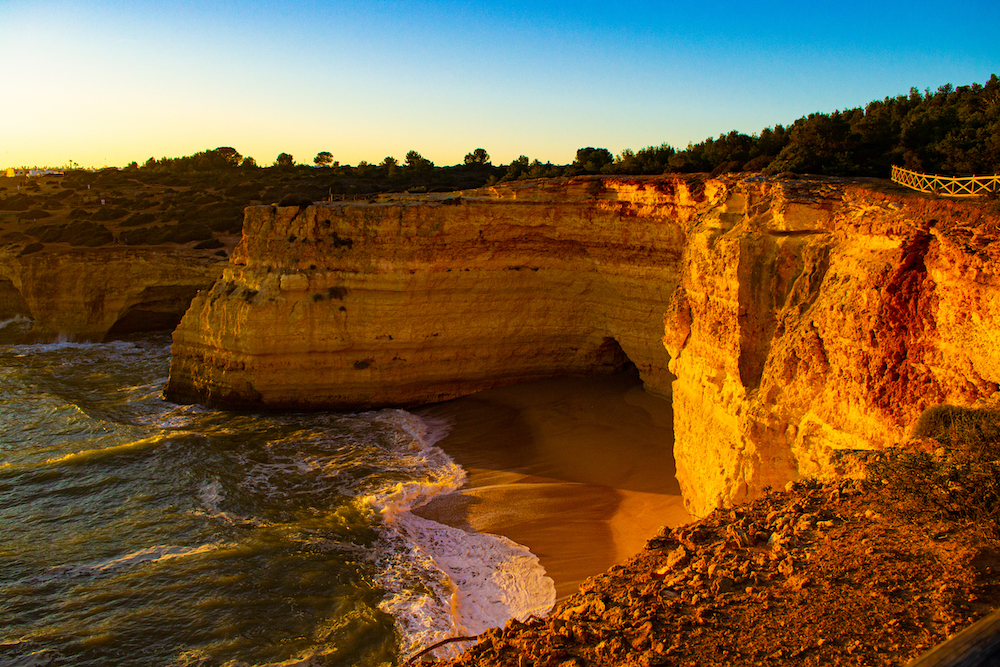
578	470
814	575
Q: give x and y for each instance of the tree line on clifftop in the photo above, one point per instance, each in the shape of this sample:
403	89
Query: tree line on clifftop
951	131
200	198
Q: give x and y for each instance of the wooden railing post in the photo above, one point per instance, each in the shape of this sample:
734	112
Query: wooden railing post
964	186
976	646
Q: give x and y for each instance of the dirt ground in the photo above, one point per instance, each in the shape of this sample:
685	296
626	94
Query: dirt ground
813	575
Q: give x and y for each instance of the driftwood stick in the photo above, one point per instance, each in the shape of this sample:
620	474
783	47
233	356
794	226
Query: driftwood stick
409	661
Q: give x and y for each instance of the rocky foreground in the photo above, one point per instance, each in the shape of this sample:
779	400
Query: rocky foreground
813	575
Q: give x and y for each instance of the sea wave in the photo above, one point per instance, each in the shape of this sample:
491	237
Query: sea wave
18	321
63	343
86	455
149	555
443	582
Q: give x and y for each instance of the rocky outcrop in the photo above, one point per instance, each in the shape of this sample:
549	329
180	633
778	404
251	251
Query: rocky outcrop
85	294
405	302
789	320
810	576
820	320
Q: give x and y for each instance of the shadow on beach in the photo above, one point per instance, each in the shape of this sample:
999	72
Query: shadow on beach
579	470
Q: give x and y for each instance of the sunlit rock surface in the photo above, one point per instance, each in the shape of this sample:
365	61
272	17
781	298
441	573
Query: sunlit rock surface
85	294
819	318
352	306
801	318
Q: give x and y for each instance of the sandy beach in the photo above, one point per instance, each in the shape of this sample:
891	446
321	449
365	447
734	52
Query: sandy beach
579	470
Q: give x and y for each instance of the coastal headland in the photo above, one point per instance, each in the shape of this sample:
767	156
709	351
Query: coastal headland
794	322
88	294
793	325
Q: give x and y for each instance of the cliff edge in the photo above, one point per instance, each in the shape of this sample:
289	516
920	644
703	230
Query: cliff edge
789	321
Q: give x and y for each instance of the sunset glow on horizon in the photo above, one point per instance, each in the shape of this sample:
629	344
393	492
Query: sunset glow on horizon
108	83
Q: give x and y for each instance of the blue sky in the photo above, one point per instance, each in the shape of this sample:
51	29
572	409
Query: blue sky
105	83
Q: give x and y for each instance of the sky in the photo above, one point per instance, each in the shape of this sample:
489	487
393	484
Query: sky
103	83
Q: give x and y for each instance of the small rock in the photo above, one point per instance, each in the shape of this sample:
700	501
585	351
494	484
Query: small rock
738	536
677	558
723	585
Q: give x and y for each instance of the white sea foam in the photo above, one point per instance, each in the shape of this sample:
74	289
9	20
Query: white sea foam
18	321
150	555
444	582
211	494
63	342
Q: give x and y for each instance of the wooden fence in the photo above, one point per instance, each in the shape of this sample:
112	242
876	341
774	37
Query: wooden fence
964	186
976	646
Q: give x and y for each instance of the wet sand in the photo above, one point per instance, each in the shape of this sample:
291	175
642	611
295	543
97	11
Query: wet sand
579	470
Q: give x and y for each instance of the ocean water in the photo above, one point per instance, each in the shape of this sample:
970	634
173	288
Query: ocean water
138	532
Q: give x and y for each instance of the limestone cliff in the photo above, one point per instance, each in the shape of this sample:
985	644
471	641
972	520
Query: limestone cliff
800	318
84	294
405	302
819	318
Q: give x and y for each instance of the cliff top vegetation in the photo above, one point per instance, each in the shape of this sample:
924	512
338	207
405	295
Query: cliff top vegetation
200	198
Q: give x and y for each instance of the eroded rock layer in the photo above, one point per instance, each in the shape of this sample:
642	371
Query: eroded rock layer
86	293
801	318
820	319
359	305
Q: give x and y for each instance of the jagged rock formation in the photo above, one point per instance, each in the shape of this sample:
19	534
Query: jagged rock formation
85	294
823	318
801	318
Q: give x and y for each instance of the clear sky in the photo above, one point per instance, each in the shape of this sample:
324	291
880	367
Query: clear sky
107	82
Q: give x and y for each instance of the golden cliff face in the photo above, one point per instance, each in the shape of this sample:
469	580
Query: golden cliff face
824	320
84	294
800	318
359	305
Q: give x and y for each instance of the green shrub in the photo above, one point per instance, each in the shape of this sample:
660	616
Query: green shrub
960	479
138	219
30	248
34	214
18	202
758	163
244	190
187	232
108	213
295	200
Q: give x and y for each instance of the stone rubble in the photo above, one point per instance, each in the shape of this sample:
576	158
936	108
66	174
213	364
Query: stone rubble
814	575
